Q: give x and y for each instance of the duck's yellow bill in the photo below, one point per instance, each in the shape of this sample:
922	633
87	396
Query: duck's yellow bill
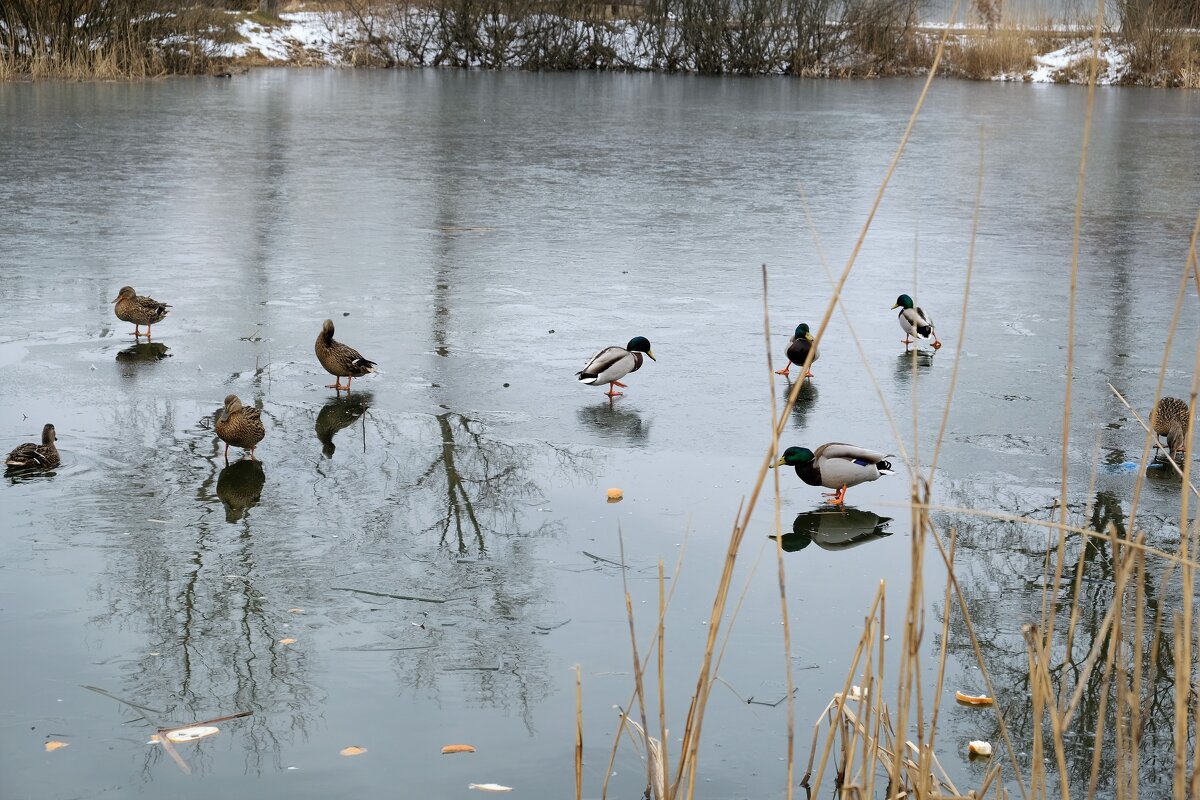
652	358
781	462
896	306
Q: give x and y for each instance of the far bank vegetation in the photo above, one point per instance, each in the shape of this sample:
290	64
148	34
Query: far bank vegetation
834	38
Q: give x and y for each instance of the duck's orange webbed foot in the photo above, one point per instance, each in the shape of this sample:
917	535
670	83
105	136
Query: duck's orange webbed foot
785	370
837	498
611	393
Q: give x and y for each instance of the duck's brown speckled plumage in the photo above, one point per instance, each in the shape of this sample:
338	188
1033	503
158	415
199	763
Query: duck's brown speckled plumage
339	360
1170	419
35	456
132	307
239	425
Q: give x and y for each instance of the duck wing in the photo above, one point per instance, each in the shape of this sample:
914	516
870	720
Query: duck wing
610	364
915	321
351	360
31	455
848	451
151	307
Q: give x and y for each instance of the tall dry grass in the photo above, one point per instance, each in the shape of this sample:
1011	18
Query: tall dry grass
1084	708
98	39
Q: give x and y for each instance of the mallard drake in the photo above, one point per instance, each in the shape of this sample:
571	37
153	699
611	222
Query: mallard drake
836	466
1170	419
35	456
239	425
915	322
613	363
132	307
798	348
340	360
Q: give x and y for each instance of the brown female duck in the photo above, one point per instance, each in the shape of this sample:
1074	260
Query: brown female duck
35	456
340	360
1170	419
239	426
132	307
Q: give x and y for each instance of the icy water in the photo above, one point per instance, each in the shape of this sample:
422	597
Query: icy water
424	562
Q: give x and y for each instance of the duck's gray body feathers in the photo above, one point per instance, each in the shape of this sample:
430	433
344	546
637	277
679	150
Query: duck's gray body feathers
835	465
915	322
610	364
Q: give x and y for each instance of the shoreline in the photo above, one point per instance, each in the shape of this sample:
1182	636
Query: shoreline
416	37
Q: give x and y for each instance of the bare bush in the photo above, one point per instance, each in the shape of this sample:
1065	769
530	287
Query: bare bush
100	38
1161	40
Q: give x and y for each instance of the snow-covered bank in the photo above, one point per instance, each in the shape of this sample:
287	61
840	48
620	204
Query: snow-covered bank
410	38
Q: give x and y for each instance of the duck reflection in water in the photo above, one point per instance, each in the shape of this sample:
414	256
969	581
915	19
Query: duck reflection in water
339	413
610	421
835	529
145	351
923	359
806	400
239	487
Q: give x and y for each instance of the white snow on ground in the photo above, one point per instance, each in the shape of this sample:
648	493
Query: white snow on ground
1070	64
317	38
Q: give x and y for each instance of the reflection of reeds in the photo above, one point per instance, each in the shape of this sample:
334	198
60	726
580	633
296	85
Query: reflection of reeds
1077	695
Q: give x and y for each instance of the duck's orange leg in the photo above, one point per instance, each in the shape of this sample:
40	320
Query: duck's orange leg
137	331
611	393
337	384
837	498
784	371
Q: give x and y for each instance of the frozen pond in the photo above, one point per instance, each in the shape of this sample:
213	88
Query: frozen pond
480	235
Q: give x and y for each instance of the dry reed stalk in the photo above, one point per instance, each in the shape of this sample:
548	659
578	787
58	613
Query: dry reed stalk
578	733
662	614
780	572
638	666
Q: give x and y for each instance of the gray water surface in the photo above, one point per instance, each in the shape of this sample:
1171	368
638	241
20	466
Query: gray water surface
480	235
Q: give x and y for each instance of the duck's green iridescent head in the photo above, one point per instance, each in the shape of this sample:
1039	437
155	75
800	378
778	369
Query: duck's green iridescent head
640	344
802	331
794	457
903	300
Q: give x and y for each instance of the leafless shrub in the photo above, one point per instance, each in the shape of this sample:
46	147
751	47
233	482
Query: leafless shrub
1161	40
103	39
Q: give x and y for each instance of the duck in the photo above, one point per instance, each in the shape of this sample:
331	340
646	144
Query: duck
339	360
915	322
798	348
35	456
240	426
140	310
836	466
613	363
1170	418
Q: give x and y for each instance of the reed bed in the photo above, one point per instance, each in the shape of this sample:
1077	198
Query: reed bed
1084	712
